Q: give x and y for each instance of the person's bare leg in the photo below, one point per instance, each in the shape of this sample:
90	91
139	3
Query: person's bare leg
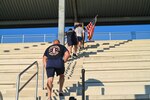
75	49
49	86
79	45
70	49
61	82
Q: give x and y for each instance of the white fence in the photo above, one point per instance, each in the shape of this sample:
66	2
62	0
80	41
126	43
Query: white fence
28	38
96	36
121	35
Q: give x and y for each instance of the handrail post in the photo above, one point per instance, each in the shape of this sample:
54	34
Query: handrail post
2	39
1	96
17	87
83	84
43	77
36	91
23	38
109	35
44	37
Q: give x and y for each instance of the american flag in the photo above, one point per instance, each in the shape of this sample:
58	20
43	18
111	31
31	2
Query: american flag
90	27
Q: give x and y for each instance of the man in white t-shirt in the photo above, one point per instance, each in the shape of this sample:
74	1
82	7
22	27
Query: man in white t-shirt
80	34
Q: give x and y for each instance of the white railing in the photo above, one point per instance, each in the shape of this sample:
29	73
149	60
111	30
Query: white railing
121	35
97	36
28	38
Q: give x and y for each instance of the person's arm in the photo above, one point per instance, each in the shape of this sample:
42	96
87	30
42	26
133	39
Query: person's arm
66	56
44	61
83	31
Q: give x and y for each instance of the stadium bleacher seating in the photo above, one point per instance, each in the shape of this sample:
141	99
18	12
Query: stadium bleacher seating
116	69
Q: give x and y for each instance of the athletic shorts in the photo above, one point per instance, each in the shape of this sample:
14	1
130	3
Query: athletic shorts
79	38
72	42
51	71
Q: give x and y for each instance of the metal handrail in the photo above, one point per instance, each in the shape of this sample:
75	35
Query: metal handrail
18	88
43	77
83	84
83	81
1	96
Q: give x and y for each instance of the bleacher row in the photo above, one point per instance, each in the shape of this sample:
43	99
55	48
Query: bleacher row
114	70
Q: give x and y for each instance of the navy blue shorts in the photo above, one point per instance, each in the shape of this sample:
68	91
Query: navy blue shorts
79	38
51	71
72	42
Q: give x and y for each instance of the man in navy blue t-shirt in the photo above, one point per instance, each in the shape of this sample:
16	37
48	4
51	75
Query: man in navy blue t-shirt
54	58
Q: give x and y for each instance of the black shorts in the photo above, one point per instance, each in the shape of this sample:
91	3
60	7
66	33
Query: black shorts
79	38
51	71
72	42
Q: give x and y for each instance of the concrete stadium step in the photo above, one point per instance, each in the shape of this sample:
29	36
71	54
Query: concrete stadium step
62	98
20	62
141	41
21	98
26	51
7	82
29	92
131	44
129	48
67	83
108	41
67	77
67	91
111	68
105	43
12	75
119	54
21	54
26	92
22	50
119	97
113	63
12	70
100	49
117	80
8	52
26	48
15	56
129	83
98	46
117	44
116	57
22	45
44	98
115	90
4	86
116	61
8	74
8	67
115	53
117	73
15	61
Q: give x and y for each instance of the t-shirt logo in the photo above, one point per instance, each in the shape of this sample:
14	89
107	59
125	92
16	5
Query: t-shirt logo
54	50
